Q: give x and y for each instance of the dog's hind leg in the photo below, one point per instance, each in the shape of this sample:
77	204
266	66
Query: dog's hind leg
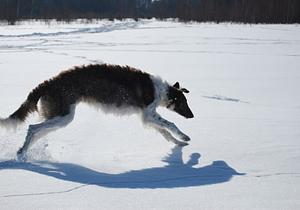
35	132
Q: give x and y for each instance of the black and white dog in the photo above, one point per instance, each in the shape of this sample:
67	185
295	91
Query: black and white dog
110	86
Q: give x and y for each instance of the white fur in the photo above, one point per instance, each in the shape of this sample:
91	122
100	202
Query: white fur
160	91
111	108
9	123
150	116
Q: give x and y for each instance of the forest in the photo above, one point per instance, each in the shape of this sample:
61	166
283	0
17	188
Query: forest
243	11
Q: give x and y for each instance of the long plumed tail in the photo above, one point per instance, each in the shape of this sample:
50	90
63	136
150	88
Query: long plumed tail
29	106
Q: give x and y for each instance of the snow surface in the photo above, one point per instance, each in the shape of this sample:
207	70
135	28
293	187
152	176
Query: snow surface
244	83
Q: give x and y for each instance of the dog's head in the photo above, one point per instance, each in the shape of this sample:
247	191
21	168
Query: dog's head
177	101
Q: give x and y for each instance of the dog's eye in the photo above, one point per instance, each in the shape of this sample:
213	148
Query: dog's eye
171	102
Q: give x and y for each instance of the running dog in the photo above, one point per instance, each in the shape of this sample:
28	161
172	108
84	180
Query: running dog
113	87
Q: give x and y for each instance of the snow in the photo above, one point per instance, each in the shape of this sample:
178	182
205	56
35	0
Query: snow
244	85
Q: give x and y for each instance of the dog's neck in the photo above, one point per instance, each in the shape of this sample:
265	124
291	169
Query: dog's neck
161	89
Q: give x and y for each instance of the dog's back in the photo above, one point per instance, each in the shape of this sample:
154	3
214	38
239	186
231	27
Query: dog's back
108	84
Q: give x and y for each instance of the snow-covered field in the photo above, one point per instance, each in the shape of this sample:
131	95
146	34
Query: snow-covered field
244	83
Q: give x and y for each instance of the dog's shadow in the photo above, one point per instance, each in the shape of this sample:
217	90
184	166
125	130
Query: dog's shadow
175	174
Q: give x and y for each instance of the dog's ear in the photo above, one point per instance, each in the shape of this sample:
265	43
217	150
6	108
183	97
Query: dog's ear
184	90
176	85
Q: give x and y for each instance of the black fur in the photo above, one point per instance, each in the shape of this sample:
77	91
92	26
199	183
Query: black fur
108	84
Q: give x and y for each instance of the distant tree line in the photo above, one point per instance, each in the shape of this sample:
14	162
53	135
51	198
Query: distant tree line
246	11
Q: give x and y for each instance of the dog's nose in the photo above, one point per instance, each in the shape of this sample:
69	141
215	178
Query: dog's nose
190	115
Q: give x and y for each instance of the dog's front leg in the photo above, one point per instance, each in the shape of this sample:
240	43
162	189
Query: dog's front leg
154	118
168	136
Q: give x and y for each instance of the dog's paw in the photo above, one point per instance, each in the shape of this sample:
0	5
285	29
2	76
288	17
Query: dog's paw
181	144
21	155
21	158
185	137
